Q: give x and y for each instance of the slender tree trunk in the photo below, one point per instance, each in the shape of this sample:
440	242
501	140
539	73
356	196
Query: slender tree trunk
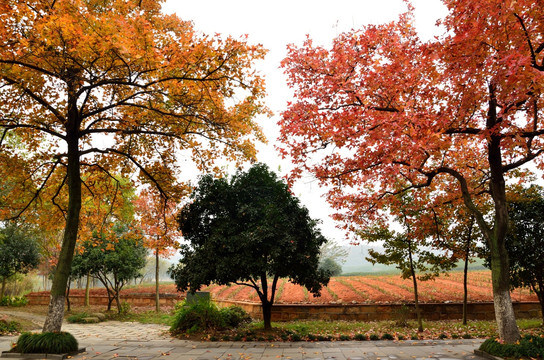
118	303
55	314
465	290
416	295
68	305
418	310
157	297
465	273
87	289
116	293
3	287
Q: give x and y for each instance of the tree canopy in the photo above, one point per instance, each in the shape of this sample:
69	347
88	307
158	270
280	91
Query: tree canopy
382	112
18	251
525	241
248	230
113	260
115	87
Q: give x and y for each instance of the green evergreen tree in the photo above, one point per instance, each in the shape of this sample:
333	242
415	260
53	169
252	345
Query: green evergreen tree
249	230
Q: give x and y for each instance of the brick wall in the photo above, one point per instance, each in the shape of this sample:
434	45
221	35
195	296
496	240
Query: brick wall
360	312
139	300
363	312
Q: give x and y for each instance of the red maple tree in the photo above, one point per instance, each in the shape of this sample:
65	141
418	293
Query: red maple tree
159	227
382	112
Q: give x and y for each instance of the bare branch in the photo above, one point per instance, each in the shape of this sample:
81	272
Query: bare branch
38	191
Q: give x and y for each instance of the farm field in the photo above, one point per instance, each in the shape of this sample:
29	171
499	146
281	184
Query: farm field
368	289
377	289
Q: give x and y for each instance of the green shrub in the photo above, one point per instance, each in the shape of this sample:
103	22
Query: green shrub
400	337
528	347
234	316
374	337
414	337
360	337
467	336
295	337
345	337
125	308
196	317
14	301
204	315
442	336
387	336
46	343
77	318
9	327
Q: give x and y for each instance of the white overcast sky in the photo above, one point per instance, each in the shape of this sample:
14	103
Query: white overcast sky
274	24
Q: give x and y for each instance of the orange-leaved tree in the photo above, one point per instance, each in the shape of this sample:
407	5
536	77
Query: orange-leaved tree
118	86
455	116
157	221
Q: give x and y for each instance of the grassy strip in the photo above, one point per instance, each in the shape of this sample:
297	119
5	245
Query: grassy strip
331	293
222	290
306	294
378	288
235	292
352	288
279	290
351	330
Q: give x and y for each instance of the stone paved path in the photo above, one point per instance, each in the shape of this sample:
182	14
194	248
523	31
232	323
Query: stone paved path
114	339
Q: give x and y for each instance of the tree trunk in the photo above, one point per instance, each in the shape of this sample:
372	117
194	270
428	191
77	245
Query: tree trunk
68	305
465	288
157	305
118	303
267	314
53	321
418	310
3	287
416	295
500	270
540	296
468	242
87	289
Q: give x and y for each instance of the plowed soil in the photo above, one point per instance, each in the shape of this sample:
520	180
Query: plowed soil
385	289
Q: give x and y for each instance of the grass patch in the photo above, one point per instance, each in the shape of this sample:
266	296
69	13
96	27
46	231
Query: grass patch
146	317
361	331
77	318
